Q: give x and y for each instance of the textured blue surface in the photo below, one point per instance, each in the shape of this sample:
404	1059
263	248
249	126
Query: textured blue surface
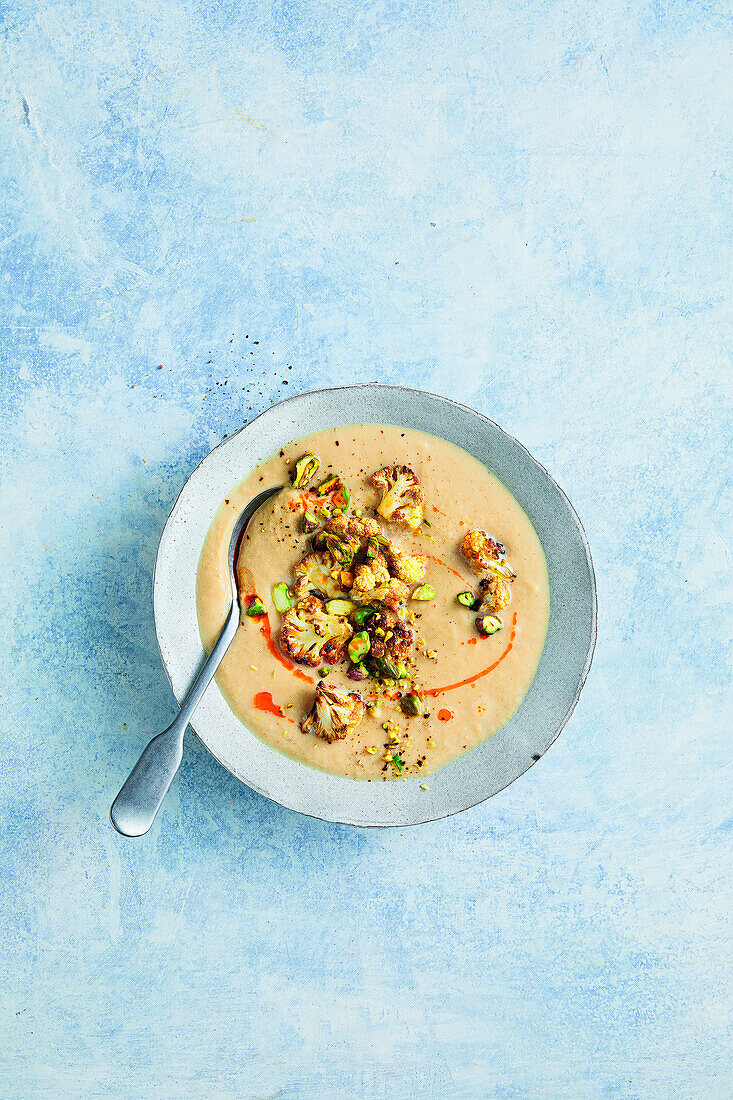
206	207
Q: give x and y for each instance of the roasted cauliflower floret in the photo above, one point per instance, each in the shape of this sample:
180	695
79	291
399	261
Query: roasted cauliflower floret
485	554
402	500
353	525
338	525
409	568
312	636
496	595
364	526
390	635
313	575
370	575
335	714
393	594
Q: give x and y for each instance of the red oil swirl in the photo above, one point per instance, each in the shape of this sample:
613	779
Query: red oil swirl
439	561
484	672
263	701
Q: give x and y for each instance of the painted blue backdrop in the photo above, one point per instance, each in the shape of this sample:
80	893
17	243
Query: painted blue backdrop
206	207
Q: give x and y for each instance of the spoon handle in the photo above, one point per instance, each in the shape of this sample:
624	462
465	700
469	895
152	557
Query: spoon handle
133	810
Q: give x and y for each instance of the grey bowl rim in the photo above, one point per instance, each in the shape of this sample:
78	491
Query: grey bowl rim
591	571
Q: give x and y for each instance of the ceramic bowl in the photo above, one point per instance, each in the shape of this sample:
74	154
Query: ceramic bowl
562	669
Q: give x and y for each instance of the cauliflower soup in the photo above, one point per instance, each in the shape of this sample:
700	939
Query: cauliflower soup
394	602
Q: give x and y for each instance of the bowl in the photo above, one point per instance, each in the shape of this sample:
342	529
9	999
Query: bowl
486	769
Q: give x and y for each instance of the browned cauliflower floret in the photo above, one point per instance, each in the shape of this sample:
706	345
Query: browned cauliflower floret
393	594
370	575
409	568
313	575
364	581
485	554
338	525
353	525
496	595
390	635
335	713
312	636
364	526
402	496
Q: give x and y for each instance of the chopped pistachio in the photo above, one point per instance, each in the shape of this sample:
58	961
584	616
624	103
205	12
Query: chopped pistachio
305	469
468	599
412	705
281	597
309	523
424	592
328	485
488	624
361	614
341	498
340	607
342	550
390	670
359	646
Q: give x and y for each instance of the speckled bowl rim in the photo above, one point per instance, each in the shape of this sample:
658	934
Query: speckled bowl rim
179	679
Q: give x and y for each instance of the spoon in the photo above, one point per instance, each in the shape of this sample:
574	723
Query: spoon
134	809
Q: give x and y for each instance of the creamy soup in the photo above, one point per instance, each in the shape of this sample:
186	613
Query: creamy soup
467	671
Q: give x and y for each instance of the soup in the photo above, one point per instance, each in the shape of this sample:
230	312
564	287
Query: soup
395	602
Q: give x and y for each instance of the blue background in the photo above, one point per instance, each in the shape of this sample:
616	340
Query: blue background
206	207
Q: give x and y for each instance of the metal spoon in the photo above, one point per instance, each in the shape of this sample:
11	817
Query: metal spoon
134	809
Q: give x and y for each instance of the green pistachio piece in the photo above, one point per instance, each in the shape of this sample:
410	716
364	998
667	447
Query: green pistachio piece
305	469
411	704
341	498
361	614
392	670
309	523
328	485
359	646
424	592
488	624
340	607
343	549
281	597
